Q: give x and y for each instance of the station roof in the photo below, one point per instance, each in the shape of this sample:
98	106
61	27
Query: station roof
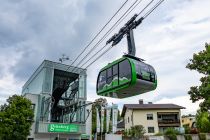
150	107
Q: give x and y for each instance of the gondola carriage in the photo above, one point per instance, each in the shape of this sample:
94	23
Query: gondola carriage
126	77
129	75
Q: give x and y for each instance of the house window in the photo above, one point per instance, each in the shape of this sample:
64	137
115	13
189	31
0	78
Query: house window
128	119
151	130
159	117
149	116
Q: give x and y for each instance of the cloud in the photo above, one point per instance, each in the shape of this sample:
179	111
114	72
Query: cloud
184	101
31	31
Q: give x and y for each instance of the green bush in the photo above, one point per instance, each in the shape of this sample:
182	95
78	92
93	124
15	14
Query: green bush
188	137
202	136
171	133
158	134
187	129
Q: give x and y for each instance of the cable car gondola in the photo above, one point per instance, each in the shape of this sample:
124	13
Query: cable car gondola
129	75
125	77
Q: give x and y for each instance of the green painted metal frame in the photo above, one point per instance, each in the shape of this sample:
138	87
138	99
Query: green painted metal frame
125	85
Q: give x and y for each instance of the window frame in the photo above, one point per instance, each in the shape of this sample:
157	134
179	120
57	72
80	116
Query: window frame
120	71
99	79
109	77
150	117
149	128
118	74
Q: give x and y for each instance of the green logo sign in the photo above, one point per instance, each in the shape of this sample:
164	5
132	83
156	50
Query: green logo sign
85	136
65	128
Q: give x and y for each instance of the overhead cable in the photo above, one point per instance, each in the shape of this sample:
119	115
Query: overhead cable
115	27
97	34
145	16
105	35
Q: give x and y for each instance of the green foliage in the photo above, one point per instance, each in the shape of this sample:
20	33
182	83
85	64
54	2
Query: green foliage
201	63
171	133
203	121
16	118
119	116
98	103
202	136
137	131
159	134
188	137
187	129
126	133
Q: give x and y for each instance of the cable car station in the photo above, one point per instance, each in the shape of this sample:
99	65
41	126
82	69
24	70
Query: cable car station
59	101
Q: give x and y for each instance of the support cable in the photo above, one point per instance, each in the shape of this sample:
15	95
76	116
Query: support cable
97	34
149	12
115	27
144	17
106	34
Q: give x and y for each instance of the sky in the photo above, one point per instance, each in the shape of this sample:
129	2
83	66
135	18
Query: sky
34	30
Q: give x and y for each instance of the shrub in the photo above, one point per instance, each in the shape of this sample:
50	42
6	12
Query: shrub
137	131
171	133
202	136
158	134
187	129
188	137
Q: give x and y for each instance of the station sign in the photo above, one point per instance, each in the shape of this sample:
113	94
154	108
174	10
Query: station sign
63	128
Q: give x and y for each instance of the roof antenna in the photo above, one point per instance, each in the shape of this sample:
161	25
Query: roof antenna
63	58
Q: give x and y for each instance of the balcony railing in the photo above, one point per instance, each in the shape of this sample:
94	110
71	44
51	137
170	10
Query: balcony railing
168	122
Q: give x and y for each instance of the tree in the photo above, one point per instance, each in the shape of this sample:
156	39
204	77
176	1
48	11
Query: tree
137	131
119	118
201	63
16	118
203	121
97	104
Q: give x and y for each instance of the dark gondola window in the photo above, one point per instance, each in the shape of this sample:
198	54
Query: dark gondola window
152	74
109	76
102	80
115	75
124	72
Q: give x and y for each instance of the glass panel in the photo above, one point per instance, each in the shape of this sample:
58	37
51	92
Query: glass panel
149	116
82	86
35	86
145	71
124	72
47	87
109	72
152	74
102	80
115	75
151	130
109	78
115	69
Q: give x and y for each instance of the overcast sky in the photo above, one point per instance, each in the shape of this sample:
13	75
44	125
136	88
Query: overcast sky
34	30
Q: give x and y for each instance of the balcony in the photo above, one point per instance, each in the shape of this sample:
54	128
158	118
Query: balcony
172	123
43	127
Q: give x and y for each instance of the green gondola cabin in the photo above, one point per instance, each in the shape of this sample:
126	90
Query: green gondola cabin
126	77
